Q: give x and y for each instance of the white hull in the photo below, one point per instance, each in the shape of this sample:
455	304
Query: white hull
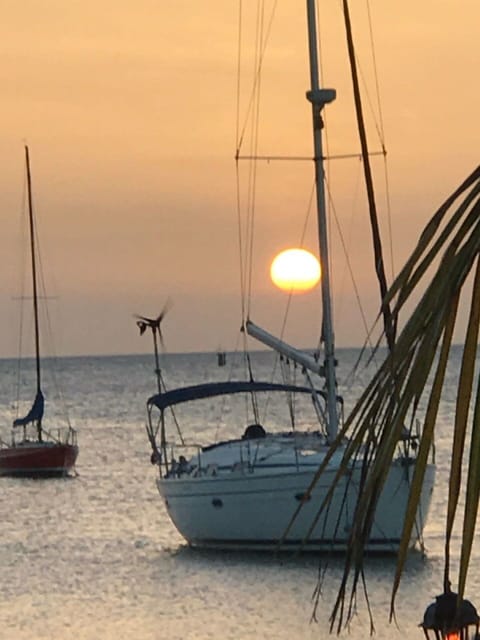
252	510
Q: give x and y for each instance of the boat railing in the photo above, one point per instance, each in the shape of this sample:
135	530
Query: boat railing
183	460
189	459
62	435
179	459
409	442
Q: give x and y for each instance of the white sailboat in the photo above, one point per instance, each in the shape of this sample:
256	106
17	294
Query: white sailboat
260	490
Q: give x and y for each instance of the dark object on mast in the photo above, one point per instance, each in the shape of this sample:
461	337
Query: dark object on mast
390	327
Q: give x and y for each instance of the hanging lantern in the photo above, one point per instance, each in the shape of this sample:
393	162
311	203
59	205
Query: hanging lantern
448	621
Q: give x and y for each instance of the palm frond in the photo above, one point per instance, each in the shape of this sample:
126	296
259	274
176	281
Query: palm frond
447	251
425	445
473	479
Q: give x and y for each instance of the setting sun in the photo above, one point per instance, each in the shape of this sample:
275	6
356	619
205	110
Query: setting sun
295	270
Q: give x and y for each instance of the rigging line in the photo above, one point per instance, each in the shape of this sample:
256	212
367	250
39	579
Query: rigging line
378	124
257	72
250	204
278	358
253	396
350	229
375	73
241	249
164	389
239	57
261	42
249	244
340	156
49	334
302	240
241	256
382	133
254	142
290	397
389	218
377	244
379	127
368	332
349	264
232	367
244	364
251	186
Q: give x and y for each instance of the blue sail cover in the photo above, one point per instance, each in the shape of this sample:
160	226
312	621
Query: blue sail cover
211	389
35	413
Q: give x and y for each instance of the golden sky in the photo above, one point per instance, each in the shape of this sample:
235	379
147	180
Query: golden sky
129	110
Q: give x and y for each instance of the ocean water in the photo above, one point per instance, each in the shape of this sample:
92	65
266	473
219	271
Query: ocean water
96	557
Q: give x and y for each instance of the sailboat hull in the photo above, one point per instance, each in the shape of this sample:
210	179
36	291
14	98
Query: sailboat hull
253	511
38	459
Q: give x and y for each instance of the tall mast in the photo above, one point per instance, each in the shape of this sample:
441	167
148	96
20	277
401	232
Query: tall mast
34	267
319	97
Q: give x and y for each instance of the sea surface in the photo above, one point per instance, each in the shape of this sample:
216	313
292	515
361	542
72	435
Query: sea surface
95	557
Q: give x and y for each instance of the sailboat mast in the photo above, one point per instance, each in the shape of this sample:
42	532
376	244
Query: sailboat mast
157	360
318	98
34	267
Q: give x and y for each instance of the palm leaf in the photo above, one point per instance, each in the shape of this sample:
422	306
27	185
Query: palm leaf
461	416
428	234
473	480
447	249
424	449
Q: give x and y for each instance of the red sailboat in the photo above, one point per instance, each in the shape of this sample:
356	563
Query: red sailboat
33	451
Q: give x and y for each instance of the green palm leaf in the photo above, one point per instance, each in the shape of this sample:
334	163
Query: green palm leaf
473	480
445	255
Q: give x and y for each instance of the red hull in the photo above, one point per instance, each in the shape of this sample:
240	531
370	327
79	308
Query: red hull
38	459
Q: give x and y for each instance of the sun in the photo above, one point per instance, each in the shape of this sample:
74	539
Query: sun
295	271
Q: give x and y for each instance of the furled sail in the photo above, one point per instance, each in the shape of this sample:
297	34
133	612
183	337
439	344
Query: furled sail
35	413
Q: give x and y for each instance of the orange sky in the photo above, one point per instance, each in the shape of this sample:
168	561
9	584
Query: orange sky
129	112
